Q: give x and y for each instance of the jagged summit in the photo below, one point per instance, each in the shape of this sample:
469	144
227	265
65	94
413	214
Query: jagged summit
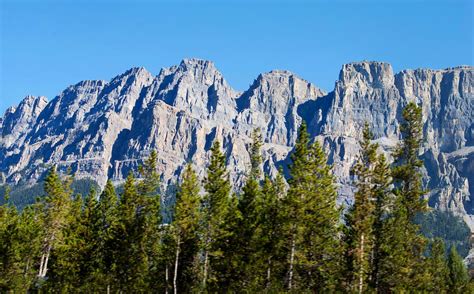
104	129
196	62
376	74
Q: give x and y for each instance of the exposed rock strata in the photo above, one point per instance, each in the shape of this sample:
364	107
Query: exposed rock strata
104	129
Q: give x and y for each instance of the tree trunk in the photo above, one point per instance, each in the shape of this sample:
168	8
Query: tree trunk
41	266
206	264
166	279
45	266
292	259
44	263
175	277
27	267
361	267
269	272
206	259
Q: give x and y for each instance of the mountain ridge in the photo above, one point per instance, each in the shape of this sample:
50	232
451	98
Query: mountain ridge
104	129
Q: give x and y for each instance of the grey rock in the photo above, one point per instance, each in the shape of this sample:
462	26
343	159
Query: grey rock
103	129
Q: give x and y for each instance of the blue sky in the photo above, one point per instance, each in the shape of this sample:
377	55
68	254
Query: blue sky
47	45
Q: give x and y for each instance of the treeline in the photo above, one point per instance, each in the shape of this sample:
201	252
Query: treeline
274	236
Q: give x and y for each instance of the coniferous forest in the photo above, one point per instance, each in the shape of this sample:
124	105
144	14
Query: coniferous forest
274	235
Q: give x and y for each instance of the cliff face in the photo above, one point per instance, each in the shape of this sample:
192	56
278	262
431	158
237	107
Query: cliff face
104	129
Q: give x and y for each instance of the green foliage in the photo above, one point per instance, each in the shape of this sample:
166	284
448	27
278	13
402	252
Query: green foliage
438	267
272	238
216	205
458	281
22	196
365	218
447	226
186	232
312	220
403	264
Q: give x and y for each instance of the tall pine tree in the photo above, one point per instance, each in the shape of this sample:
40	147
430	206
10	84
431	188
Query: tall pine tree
57	206
186	231
247	208
403	265
361	218
215	206
312	219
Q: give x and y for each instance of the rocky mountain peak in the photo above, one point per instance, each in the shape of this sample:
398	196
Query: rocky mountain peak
104	129
18	121
200	71
28	109
370	73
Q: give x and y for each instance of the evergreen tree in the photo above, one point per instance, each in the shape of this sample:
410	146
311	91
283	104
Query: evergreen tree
106	226
383	198
20	242
73	262
131	262
361	218
403	265
458	276
246	205
313	219
186	228
438	269
57	206
406	171
267	271
151	217
215	206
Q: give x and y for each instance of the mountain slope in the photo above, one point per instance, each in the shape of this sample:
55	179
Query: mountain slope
104	129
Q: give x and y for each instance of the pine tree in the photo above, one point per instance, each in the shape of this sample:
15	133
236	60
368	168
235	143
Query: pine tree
313	219
458	276
406	170
403	265
268	239
74	264
383	198
361	218
438	269
57	206
150	214
186	228
106	226
131	261
215	205
246	205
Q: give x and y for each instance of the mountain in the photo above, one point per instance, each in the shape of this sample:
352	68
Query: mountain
104	129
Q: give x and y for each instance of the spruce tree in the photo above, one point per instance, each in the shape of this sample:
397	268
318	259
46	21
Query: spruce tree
57	206
215	206
186	231
406	171
313	219
383	199
150	214
131	253
246	205
361	218
438	268
267	271
458	281
403	266
106	226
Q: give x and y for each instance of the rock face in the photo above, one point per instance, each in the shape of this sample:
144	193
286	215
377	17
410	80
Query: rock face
104	129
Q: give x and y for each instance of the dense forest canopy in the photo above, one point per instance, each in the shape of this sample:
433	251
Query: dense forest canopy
275	235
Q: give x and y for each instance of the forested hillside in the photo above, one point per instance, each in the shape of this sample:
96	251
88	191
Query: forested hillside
275	235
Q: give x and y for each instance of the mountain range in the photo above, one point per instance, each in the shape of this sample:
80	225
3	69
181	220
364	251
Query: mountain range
104	129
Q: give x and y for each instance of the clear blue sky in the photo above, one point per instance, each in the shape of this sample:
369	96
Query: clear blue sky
47	45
